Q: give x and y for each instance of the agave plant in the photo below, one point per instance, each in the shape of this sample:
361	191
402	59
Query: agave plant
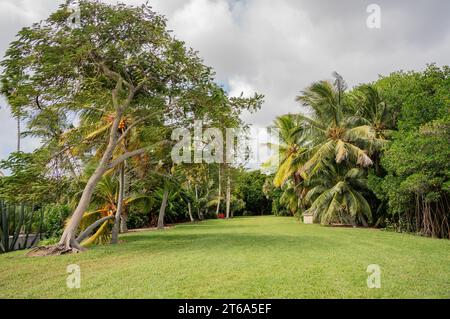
16	221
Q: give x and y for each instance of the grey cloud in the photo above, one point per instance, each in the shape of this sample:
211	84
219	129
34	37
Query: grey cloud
277	48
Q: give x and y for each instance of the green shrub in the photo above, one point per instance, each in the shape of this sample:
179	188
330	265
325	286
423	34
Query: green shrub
49	241
138	219
55	216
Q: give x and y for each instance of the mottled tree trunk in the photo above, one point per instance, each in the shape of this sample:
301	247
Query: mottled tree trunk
68	237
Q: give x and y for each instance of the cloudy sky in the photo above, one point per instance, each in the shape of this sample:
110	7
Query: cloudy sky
277	47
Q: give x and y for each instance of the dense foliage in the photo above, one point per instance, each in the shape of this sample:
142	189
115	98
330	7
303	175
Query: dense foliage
249	188
415	184
375	155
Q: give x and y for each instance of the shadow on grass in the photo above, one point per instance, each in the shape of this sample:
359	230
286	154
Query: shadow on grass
157	242
216	226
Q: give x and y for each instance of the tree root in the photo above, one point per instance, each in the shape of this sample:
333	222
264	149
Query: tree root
56	250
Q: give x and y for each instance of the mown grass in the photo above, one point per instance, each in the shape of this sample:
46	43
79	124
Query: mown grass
262	257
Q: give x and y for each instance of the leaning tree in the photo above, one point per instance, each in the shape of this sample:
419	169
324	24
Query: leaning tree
118	62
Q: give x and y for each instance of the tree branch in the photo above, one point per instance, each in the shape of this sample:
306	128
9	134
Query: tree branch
127	131
112	74
126	156
115	93
91	228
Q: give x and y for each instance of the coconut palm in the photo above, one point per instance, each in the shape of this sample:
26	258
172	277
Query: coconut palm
372	110
323	153
336	196
332	135
291	146
291	149
101	221
290	198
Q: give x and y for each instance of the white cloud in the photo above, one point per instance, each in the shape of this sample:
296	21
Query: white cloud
8	137
239	86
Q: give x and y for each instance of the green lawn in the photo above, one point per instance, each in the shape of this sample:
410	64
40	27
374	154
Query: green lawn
262	257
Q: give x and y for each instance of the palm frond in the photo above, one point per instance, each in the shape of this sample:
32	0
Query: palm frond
321	154
360	155
101	236
284	172
98	131
341	152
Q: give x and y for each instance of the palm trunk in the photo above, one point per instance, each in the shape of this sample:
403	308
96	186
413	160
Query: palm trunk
68	237
116	228
162	210
228	196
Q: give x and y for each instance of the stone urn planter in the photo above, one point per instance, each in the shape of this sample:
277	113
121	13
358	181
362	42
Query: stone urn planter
308	219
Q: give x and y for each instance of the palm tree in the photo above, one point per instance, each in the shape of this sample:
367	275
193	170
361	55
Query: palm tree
291	146
336	197
332	135
371	110
198	190
290	198
108	199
